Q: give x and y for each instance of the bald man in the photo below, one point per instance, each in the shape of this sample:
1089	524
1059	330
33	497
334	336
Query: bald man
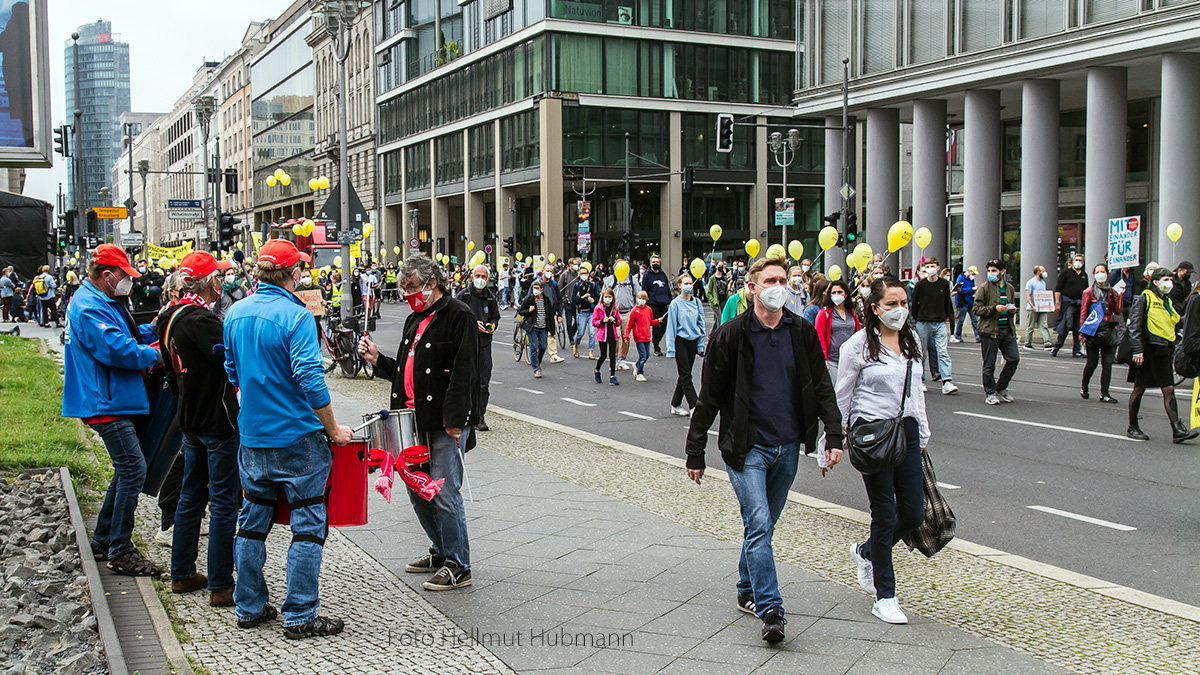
480	296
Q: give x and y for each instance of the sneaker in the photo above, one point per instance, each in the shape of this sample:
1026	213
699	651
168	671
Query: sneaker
165	537
992	399
430	562
955	340
1105	398
622	365
451	576
557	359
888	610
1004	396
937	377
745	603
538	373
866	572
949	387
773	623
640	377
597	374
679	410
268	614
613	380
1047	348
1028	346
318	627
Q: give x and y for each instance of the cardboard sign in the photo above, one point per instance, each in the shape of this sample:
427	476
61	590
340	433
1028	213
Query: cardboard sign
312	301
1124	242
1043	301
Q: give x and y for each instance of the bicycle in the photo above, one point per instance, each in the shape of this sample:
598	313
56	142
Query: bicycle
341	340
520	341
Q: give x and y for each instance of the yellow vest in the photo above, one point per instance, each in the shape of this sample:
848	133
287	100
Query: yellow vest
335	295
390	277
1160	317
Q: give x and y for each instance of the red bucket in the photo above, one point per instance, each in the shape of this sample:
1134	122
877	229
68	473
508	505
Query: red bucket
346	491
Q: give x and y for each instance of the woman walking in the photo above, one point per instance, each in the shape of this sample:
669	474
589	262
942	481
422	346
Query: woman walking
835	324
685	339
538	310
816	298
1152	322
586	292
874	383
607	320
1100	293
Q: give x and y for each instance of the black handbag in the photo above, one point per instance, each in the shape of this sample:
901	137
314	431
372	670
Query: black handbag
1124	347
1107	335
880	445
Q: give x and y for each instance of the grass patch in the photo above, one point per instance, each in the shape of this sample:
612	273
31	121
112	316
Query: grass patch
32	432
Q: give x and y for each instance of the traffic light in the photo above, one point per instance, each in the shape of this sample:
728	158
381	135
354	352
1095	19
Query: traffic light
62	140
93	222
227	231
231	181
510	245
214	175
52	242
689	177
833	219
724	132
68	218
851	229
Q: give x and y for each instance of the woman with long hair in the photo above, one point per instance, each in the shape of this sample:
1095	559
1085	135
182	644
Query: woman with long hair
816	298
874	383
685	339
1100	293
835	324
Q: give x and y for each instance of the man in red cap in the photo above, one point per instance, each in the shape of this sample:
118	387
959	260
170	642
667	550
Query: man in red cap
286	424
104	354
192	345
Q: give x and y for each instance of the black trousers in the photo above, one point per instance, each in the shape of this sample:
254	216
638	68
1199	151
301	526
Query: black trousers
685	357
1068	322
1004	343
657	332
608	350
485	372
1103	356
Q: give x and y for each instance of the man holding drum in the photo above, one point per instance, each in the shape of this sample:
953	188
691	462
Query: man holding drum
435	374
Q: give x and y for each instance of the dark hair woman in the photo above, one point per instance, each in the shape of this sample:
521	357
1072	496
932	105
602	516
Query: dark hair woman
835	324
1152	321
872	373
1099	293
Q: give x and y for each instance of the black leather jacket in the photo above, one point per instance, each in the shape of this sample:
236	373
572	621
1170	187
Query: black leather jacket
1139	336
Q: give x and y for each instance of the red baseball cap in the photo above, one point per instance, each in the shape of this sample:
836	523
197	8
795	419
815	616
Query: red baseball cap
199	264
111	255
282	252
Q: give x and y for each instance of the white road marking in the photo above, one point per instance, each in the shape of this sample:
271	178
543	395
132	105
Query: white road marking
1086	432
571	400
1085	519
531	391
948	486
495	382
634	415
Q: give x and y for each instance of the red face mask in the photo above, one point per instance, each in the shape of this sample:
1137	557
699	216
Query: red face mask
418	300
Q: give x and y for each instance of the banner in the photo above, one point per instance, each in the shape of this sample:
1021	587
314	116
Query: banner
1124	242
175	252
1196	403
356	250
1043	301
258	242
312	301
785	212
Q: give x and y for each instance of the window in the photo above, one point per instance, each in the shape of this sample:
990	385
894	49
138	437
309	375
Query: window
448	154
928	38
835	39
519	141
1096	11
596	136
879	35
482	142
980	24
416	166
1042	17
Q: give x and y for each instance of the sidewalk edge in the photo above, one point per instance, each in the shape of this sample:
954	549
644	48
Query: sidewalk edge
162	628
1106	588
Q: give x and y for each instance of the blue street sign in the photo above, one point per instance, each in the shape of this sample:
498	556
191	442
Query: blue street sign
184	204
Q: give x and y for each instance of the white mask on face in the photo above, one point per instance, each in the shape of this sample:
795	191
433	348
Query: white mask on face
804	269
931	273
796	281
479	283
608	301
1101	277
123	287
1166	285
537	291
1077	264
685	289
865	291
895	317
306	281
838	299
772	298
641	302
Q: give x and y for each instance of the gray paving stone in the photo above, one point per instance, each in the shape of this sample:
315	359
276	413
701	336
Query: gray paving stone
997	661
623	662
697	667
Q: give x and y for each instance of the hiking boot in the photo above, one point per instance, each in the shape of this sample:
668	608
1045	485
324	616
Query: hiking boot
192	583
318	627
268	614
448	578
430	562
773	623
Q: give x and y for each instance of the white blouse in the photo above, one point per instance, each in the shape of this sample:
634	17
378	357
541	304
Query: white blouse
870	390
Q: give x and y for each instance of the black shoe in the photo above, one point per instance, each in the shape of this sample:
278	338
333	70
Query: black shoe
1105	398
268	614
1077	355
773	623
1181	433
937	377
451	576
1136	434
658	352
318	627
482	426
1054	352
430	562
1083	393
745	603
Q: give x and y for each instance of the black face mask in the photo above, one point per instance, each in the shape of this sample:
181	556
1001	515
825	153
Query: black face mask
654	266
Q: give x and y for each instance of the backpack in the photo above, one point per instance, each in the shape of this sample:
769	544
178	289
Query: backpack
39	285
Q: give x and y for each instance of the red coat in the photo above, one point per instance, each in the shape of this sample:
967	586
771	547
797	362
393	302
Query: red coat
824	326
1114	307
639	322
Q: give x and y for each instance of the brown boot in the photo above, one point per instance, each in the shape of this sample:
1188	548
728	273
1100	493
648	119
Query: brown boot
193	583
221	598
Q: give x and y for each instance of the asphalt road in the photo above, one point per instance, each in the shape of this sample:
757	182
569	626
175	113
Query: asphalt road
1011	471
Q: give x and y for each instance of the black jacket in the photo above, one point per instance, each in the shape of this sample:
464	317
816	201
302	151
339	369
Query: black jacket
484	305
526	309
1139	336
931	301
583	289
445	377
725	388
208	403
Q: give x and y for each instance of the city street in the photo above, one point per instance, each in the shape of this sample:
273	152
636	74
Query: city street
1051	477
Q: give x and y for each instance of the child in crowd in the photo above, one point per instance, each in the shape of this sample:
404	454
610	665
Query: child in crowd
640	320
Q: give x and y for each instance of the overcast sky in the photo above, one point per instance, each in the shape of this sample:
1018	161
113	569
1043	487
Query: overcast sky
167	43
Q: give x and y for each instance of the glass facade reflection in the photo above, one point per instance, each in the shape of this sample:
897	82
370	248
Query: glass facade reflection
282	91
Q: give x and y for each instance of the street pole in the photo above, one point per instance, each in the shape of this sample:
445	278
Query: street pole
144	169
80	190
627	210
845	139
340	51
129	205
204	107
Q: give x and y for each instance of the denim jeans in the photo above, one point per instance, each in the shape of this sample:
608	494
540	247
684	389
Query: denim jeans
583	326
963	312
114	525
302	471
762	489
444	519
935	332
643	356
210	474
897	507
538	338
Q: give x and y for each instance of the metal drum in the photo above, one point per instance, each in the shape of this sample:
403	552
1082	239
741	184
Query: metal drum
395	432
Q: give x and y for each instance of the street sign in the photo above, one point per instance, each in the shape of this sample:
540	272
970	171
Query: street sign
346	238
846	192
414	243
111	212
184	204
185	214
785	212
131	239
487	249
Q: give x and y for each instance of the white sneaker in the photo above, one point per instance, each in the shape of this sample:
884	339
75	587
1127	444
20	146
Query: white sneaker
949	387
992	399
640	377
955	340
866	572
1004	397
888	610
537	373
923	387
679	410
165	537
557	359
622	365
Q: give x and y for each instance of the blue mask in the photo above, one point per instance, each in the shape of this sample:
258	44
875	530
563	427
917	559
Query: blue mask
993	277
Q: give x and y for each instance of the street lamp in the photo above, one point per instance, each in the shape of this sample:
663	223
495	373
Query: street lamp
143	168
339	16
784	152
204	107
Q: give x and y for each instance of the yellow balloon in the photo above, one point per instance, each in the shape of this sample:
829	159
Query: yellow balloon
470	246
478	259
697	268
796	249
278	174
776	251
298	229
752	247
518	256
383	252
835	273
923	236
286	180
368	229
337	261
396	250
271	181
864	251
828	237
1174	231
715	232
164	262
325	183
314	184
861	262
621	270
551	258
851	260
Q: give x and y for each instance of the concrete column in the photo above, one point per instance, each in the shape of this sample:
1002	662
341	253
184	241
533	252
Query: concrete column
1104	192
1179	160
981	179
439	225
474	223
929	175
883	175
762	213
504	224
671	202
833	183
1039	179
553	204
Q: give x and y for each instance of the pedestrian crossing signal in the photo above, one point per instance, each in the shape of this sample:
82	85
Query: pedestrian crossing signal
724	132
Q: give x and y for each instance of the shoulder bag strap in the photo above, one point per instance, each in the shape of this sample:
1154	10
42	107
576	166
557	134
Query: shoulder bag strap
907	384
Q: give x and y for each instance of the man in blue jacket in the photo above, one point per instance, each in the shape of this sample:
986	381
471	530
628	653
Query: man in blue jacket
286	424
104	354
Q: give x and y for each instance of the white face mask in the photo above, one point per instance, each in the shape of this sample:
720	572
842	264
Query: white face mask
895	317
931	273
804	269
641	302
608	301
306	281
865	291
537	291
1077	264
123	287
772	298
685	289
1166	285
1101	277
838	299
797	280
479	283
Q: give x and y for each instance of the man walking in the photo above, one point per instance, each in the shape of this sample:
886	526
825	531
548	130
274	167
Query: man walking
286	424
626	299
932	309
1039	321
44	287
996	310
765	373
1068	299
486	308
566	293
658	288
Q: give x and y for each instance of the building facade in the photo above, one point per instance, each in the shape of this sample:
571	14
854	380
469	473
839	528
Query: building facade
183	147
233	100
492	114
1032	122
145	133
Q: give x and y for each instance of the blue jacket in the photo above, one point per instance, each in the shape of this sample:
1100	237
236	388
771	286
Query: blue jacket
102	360
966	291
273	354
685	319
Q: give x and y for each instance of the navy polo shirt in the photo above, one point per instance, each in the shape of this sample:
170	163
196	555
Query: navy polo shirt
774	406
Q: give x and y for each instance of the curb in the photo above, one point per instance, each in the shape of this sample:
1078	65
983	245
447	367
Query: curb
163	629
104	620
1106	588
